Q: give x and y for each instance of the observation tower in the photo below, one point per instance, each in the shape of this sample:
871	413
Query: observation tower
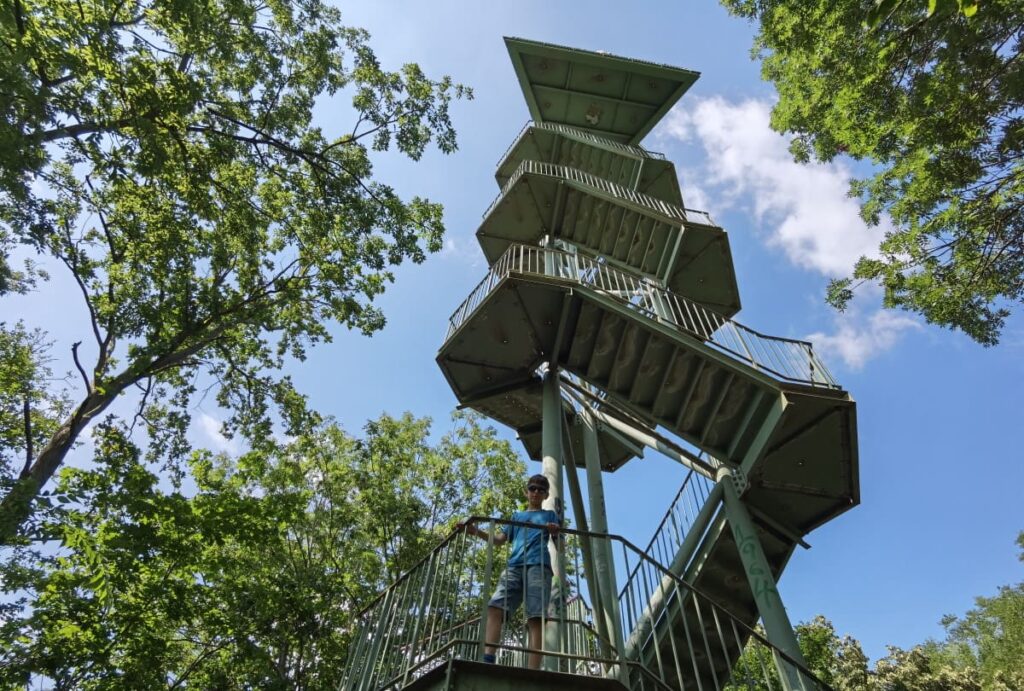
603	329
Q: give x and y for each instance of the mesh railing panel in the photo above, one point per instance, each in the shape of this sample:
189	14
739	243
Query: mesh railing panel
583	136
643	201
784	358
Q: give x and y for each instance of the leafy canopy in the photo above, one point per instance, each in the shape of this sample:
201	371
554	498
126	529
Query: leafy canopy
931	94
252	580
164	153
981	651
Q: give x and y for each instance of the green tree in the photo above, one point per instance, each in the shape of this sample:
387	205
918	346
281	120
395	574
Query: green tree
164	153
252	582
923	668
990	637
839	662
29	408
982	650
932	98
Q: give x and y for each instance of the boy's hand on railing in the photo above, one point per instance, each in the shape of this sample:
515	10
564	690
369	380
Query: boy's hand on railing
553	528
464	526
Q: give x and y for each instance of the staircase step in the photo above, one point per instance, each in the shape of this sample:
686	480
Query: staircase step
467	675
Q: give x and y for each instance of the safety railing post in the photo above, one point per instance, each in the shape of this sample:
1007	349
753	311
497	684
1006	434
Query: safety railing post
484	598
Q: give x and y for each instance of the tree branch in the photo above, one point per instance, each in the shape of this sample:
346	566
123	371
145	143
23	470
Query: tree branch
28	438
81	370
73	268
140	410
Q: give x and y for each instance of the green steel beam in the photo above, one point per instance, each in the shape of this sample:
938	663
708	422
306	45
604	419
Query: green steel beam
551	464
604	562
776	622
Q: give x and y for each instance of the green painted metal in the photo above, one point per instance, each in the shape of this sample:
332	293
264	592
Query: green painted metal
697	650
606	581
598	596
463	675
618	98
630	296
552	468
682	249
667	370
518	405
631	167
762	582
658	603
495	296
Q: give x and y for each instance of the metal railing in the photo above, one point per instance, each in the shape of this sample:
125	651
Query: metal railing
677	522
434	612
644	202
582	136
785	358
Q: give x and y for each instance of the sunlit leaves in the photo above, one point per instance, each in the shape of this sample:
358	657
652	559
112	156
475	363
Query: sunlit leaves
165	153
929	95
253	578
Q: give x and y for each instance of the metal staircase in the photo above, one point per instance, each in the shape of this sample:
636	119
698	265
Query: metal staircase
604	326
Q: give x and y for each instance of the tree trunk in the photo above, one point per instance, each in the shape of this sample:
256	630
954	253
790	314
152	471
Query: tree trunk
16	507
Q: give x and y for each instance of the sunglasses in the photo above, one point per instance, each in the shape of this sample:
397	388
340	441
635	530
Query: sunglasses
537	488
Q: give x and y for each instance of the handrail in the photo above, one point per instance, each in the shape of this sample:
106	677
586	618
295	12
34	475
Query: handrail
432	613
580	135
675	214
783	358
676	522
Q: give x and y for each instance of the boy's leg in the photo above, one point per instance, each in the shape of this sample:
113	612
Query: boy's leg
505	600
536	642
494	617
535	602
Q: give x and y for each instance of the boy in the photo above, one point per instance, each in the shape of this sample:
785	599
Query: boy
528	574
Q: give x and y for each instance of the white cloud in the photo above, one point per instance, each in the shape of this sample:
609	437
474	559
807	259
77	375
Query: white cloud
695	196
857	339
212	436
463	249
803	208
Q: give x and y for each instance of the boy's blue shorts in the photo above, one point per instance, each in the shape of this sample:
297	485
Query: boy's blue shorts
510	591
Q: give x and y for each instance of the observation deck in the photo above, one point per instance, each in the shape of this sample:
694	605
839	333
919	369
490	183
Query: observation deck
627	166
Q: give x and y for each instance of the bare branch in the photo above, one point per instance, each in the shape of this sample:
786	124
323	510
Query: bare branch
28	438
93	319
81	370
139	411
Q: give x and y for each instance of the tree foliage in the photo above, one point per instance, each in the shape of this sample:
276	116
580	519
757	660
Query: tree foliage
931	95
251	581
982	651
163	152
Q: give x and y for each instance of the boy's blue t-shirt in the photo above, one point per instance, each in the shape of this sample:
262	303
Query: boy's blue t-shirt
529	545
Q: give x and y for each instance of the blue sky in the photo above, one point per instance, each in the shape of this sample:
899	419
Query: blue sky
941	475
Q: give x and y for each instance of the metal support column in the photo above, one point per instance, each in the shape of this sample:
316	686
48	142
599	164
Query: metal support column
551	463
587	547
603	563
762	584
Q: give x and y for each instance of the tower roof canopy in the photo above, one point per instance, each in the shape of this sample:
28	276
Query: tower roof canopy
618	98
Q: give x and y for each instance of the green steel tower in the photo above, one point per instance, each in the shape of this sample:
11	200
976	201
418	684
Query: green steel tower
604	328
